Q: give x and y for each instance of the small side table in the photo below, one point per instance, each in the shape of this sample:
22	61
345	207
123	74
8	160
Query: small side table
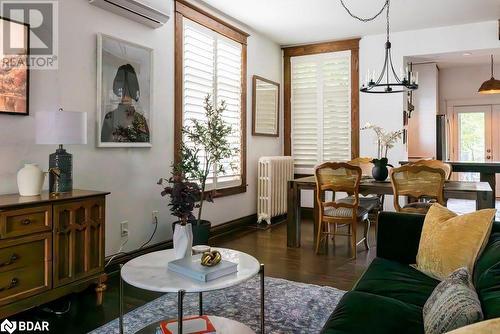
149	272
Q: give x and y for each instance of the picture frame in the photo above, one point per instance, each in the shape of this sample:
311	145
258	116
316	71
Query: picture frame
124	93
15	77
265	107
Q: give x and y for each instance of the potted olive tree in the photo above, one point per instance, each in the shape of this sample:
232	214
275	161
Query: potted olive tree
204	146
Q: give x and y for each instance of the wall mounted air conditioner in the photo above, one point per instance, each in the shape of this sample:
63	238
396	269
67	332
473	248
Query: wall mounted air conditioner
153	13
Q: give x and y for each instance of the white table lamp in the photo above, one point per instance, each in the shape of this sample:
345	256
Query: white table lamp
61	128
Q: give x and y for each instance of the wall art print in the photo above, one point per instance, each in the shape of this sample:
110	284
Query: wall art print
124	93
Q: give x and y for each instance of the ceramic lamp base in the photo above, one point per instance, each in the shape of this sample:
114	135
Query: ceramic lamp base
64	162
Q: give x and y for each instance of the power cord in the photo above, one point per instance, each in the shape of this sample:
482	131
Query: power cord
142	246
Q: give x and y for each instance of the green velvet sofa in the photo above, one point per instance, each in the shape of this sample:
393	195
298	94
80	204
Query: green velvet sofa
389	297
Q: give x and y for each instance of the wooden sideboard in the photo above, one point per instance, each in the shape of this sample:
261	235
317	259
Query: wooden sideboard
50	246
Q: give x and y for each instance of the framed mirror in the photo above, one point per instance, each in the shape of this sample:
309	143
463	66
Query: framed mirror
265	107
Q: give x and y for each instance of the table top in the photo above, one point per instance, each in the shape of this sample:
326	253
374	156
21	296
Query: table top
14	200
470	166
222	326
385	187
149	272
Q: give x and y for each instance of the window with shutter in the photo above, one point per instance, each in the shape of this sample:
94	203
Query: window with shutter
320	109
208	61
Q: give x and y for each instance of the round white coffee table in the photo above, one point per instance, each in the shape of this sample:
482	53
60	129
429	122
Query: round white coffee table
149	272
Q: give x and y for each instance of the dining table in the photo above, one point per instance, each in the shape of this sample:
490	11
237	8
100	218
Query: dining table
481	192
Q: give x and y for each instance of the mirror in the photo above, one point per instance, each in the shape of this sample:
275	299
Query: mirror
265	108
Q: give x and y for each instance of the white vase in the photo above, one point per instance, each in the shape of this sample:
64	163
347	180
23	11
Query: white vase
183	240
30	180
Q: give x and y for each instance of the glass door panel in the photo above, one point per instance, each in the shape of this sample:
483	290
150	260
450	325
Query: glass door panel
473	137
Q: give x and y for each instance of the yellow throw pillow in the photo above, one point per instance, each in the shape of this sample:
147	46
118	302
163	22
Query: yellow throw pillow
450	241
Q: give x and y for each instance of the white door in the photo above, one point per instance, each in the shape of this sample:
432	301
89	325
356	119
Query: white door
472	138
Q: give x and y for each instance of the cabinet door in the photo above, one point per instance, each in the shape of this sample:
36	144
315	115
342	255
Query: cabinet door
78	239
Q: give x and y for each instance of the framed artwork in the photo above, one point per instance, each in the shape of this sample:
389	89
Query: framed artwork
265	107
124	93
14	69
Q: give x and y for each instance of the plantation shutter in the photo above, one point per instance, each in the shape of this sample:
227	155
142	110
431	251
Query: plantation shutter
212	65
321	109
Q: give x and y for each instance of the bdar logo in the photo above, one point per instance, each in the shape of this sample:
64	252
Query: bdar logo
8	326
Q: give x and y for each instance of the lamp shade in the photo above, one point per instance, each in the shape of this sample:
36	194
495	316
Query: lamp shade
491	86
61	127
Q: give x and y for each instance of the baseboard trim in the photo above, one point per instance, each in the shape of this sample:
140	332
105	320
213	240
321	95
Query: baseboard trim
215	232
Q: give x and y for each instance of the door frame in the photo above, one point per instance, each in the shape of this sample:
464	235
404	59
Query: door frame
455	143
450	106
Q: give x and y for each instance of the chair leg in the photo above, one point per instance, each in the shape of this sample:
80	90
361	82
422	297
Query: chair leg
353	239
320	232
334	232
367	233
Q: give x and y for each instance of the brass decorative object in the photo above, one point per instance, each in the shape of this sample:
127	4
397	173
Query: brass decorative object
210	259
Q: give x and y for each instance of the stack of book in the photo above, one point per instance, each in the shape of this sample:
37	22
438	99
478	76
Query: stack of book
190	325
191	267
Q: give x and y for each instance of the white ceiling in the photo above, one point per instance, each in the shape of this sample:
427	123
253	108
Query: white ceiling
289	22
460	59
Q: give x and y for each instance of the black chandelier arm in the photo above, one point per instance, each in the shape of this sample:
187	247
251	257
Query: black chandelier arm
392	69
386	5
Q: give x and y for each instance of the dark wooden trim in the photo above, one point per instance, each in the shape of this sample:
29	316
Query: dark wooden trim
184	9
179	87
215	232
210	21
287	105
355	103
254	109
311	49
232	226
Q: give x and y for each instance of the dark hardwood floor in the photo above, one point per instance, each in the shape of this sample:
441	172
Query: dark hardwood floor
334	267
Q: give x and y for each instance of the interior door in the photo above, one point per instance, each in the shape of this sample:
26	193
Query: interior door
496	140
472	136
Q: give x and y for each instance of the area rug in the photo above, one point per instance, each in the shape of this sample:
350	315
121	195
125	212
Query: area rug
290	307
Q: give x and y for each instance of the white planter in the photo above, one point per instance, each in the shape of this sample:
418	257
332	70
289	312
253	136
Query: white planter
183	240
30	180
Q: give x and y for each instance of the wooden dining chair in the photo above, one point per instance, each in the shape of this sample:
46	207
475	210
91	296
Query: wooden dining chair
435	164
418	182
340	177
374	203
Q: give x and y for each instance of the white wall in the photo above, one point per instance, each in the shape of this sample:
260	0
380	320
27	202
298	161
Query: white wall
387	110
129	174
422	124
462	83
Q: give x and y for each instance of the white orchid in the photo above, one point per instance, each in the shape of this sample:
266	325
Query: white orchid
385	140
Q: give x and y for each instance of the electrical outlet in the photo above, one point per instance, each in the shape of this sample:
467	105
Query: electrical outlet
124	229
155	216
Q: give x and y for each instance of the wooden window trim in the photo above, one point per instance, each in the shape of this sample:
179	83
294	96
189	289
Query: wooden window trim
189	11
311	49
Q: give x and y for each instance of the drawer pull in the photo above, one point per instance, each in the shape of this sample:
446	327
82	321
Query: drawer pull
12	259
13	283
26	222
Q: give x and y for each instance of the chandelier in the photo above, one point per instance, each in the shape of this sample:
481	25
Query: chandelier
388	81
